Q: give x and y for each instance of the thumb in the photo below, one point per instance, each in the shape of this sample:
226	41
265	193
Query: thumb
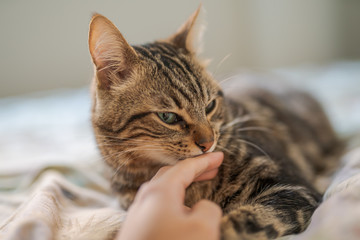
207	211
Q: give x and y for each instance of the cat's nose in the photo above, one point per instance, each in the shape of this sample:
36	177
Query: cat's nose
204	144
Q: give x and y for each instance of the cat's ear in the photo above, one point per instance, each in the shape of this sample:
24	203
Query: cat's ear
187	35
113	57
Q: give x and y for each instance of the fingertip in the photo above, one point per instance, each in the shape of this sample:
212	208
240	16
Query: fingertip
186	171
207	175
215	158
219	155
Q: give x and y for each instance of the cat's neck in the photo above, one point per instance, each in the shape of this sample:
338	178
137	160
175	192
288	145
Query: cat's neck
135	174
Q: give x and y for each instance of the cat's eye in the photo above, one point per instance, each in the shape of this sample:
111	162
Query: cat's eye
210	106
168	117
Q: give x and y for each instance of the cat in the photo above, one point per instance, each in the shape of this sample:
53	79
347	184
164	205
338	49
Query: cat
156	104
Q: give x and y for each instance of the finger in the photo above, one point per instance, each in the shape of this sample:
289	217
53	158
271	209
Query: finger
207	175
208	211
186	209
161	172
174	180
184	173
166	168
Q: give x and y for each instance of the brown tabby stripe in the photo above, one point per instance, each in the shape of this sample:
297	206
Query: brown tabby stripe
232	198
143	135
175	100
130	120
230	137
261	185
167	61
188	68
289	119
181	62
143	51
174	85
148	55
252	226
172	62
237	171
167	48
150	131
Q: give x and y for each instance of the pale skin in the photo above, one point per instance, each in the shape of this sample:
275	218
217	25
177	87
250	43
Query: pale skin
158	211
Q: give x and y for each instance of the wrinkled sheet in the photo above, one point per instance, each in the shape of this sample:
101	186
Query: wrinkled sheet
338	217
47	205
52	183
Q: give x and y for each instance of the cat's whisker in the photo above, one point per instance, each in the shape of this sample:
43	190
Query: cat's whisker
262	129
250	144
126	145
112	156
227	79
255	146
143	148
118	144
220	63
109	138
237	120
242	120
131	142
120	139
124	163
225	149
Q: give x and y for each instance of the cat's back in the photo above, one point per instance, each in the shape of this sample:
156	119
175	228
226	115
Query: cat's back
278	103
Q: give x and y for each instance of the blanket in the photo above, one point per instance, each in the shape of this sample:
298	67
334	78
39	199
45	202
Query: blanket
48	205
338	217
52	183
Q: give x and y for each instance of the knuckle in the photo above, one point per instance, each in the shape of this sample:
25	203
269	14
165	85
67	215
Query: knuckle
163	169
217	209
144	187
149	189
211	205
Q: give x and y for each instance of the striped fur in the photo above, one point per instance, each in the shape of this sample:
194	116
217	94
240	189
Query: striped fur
275	144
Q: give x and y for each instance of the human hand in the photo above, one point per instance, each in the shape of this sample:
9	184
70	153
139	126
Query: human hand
158	211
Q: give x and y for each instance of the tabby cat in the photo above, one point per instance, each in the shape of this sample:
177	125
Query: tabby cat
155	104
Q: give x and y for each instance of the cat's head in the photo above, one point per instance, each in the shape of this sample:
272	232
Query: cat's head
153	102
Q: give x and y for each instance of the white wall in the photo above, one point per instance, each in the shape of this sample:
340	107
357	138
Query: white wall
43	43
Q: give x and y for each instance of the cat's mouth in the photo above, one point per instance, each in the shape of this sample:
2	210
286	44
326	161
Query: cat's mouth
200	153
212	147
171	158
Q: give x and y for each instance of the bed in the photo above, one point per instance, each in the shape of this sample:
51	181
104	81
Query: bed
52	183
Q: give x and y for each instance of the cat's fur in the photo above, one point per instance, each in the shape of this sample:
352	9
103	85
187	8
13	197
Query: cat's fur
275	143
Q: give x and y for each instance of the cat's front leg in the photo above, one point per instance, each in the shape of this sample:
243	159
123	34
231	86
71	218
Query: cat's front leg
275	212
251	222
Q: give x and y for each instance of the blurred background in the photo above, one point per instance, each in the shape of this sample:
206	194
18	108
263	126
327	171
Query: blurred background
44	42
45	66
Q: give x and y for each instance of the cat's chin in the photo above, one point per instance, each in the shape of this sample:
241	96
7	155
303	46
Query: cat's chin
167	159
162	158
